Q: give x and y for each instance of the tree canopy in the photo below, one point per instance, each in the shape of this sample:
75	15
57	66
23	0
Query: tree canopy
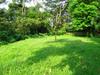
20	21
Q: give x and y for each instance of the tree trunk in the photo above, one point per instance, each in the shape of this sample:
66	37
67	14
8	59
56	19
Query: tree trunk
23	7
55	33
92	32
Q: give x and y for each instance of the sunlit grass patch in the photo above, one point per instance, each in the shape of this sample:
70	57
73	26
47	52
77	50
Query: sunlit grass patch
68	55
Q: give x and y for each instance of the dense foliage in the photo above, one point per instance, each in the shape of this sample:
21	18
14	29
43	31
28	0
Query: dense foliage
20	21
15	26
84	15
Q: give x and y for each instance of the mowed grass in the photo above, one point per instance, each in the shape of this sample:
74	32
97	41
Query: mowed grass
68	55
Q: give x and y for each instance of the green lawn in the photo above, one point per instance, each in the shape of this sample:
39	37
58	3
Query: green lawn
69	55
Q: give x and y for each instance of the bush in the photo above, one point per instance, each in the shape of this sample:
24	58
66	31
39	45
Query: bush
3	35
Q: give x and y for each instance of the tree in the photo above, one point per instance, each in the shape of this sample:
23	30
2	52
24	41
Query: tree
6	27
58	9
22	2
2	1
83	15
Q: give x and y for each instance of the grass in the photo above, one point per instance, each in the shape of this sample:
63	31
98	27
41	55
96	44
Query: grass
69	55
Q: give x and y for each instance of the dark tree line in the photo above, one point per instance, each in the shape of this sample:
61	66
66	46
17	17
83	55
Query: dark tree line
16	24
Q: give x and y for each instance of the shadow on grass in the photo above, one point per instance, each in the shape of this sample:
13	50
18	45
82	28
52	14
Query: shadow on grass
82	57
21	39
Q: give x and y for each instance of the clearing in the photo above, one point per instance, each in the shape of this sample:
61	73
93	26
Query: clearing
69	55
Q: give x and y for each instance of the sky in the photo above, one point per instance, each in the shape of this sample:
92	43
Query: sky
5	5
32	3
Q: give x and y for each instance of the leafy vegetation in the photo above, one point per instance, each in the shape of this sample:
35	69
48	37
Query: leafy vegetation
20	21
84	15
28	46
16	25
